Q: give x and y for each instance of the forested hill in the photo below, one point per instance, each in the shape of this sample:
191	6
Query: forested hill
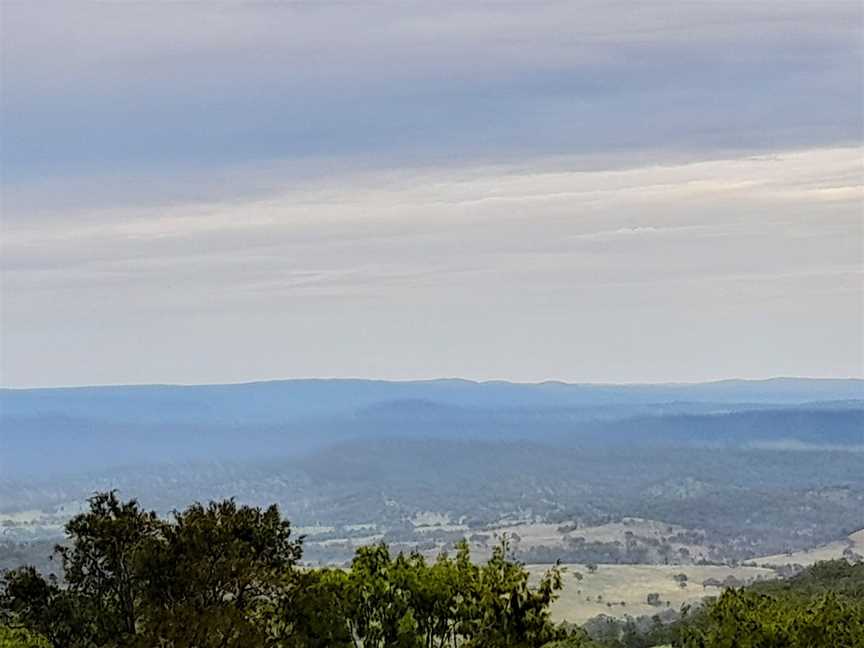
278	401
56	431
760	467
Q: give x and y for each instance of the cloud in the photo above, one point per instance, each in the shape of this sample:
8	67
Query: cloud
93	88
583	191
565	252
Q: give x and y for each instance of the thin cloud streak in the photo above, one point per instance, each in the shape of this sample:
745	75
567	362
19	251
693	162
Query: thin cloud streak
536	254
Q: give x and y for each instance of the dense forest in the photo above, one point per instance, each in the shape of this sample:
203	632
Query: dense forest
226	575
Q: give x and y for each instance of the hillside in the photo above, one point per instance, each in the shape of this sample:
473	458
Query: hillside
781	470
56	431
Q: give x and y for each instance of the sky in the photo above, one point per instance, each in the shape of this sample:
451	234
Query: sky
580	191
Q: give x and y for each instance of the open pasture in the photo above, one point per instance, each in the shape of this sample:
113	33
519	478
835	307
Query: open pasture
604	591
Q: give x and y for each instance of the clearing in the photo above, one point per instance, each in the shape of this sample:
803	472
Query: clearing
604	591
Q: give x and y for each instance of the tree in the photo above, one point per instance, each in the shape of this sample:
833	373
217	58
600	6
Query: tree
823	606
577	638
406	602
21	638
376	611
665	552
135	580
213	570
102	566
30	601
506	612
224	576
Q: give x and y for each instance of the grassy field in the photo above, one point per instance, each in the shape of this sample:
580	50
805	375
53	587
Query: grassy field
648	533
631	584
825	552
533	535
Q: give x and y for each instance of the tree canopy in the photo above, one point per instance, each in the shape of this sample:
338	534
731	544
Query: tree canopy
228	576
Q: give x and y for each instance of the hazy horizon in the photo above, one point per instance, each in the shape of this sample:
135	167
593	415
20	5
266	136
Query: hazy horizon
478	381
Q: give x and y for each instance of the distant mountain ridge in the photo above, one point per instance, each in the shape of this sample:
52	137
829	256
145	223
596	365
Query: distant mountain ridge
757	466
278	401
68	430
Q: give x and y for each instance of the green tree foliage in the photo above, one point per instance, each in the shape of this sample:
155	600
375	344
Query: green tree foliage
132	579
309	611
21	638
210	571
824	606
103	565
575	639
31	601
505	612
751	620
406	602
226	576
